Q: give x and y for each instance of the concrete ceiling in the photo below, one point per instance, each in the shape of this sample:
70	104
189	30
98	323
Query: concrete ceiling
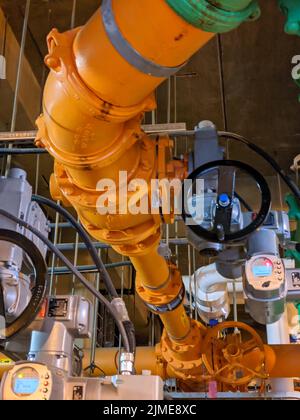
45	15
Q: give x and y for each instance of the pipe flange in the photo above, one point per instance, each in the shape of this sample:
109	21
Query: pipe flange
133	241
128	242
148	239
168	307
183	357
143	169
211	17
165	299
102	158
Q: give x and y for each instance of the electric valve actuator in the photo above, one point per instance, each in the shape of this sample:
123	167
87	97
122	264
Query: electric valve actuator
265	284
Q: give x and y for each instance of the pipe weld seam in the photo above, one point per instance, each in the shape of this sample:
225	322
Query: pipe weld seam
127	51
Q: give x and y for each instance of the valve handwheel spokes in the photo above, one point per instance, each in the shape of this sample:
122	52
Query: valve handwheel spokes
231	359
9	330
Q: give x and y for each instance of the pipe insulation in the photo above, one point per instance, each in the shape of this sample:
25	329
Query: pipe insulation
211	296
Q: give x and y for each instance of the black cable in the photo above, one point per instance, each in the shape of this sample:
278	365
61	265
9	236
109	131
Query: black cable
76	273
289	182
86	239
105	277
131	335
2	306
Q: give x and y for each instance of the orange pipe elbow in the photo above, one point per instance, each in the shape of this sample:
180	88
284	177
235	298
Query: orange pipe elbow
93	104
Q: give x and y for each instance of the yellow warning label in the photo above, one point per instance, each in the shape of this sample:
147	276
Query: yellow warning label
5	361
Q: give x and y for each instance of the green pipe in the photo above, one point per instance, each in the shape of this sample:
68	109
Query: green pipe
216	16
294	214
231	5
291	9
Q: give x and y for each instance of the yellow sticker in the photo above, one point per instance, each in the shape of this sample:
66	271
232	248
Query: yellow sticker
5	361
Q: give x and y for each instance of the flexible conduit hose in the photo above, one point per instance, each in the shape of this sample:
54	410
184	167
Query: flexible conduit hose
268	158
80	277
128	325
86	239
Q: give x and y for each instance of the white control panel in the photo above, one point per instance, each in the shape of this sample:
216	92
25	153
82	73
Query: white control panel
265	288
27	381
265	272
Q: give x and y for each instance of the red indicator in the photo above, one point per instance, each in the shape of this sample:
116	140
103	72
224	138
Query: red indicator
268	264
43	310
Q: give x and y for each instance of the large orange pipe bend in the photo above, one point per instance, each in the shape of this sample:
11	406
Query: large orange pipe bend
94	101
280	361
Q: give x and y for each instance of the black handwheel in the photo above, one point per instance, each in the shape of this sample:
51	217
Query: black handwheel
221	229
38	293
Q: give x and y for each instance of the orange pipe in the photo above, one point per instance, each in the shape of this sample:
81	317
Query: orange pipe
93	104
154	268
156	280
5	364
280	361
177	323
153	29
108	359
